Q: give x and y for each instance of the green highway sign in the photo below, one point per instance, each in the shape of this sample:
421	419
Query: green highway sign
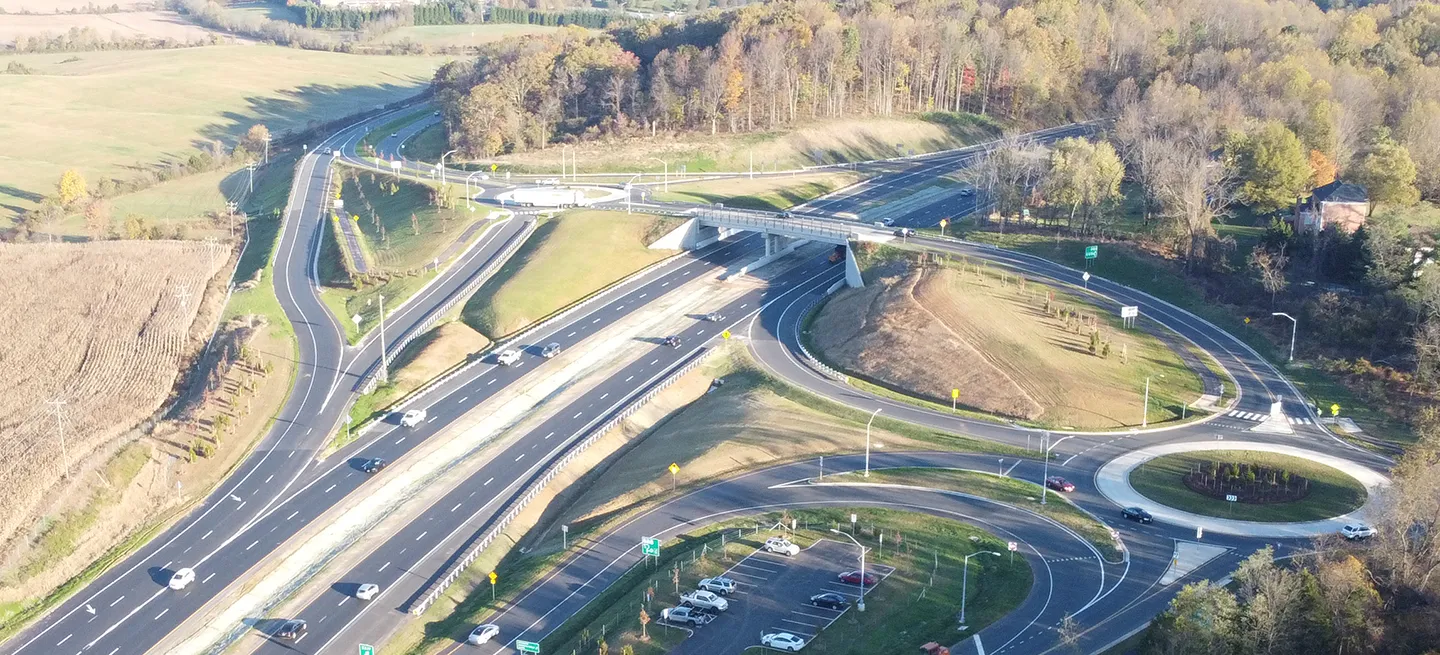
1091	252
650	547
367	649
527	646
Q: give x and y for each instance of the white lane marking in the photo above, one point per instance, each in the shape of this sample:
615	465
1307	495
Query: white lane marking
207	578
162	613
465	399
457	506
267	480
292	515
327	489
577	414
400	440
382	567
1067	461
597	320
492	381
607	395
67	638
654	362
571	334
252	544
550	435
522	456
487	482
630	378
112	603
422	535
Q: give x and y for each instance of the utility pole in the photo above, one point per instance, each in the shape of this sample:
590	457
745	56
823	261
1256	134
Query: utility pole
384	363
1045	479
251	167
965	582
1294	327
667	170
267	148
58	406
442	166
1145	411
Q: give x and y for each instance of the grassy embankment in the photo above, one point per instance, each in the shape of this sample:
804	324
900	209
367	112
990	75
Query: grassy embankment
102	112
764	193
1332	492
570	256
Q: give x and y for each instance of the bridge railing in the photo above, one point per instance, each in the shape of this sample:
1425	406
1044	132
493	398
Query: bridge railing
758	222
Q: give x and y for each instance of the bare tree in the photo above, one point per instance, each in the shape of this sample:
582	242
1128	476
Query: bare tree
1193	191
1271	269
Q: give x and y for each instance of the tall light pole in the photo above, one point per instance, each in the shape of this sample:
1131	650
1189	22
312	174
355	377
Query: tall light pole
667	171
860	604
1294	327
867	440
1045	478
565	148
965	581
442	165
1145	411
468	193
384	362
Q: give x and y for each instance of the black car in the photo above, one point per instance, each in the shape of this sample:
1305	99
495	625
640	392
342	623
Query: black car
291	630
672	341
1136	514
829	600
373	465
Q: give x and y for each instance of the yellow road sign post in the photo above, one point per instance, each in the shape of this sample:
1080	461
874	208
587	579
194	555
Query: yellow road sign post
674	469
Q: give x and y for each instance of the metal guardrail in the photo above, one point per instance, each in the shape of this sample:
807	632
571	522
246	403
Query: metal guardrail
812	360
477	544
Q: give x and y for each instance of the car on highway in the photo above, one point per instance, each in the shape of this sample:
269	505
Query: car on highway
829	600
787	214
412	418
436	113
483	633
394	134
705	600
719	585
292	630
781	545
550	350
550	182
1357	531
1136	514
692	615
904	232
966	193
374	465
367	591
782	641
673	341
885	222
714	317
854	577
181	578
508	357
1058	483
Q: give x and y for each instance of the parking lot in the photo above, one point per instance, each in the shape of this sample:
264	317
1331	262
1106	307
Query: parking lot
773	595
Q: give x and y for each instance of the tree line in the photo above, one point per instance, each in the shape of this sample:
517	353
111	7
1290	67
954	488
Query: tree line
343	17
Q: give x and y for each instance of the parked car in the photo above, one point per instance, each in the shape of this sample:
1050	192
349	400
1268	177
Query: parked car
1060	484
854	577
782	546
483	633
705	600
291	630
412	418
782	641
1135	514
691	615
550	350
829	600
374	465
508	357
673	341
367	591
722	586
1357	531
182	578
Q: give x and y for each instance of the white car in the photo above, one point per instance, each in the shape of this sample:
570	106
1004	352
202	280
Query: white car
367	591
782	546
722	586
508	357
705	600
182	578
482	633
1357	531
412	418
782	641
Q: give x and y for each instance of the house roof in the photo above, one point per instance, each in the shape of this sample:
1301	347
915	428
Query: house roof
1338	191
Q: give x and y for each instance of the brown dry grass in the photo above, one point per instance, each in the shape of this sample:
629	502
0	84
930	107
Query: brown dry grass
103	327
929	330
152	24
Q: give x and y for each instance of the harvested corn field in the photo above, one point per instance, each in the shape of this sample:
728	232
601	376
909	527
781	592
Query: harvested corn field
1013	348
104	327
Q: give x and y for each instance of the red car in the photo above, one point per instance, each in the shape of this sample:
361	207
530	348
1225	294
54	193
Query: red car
853	577
1060	484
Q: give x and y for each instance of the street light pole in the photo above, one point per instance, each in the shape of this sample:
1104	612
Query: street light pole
667	171
860	604
1045	478
468	193
1294	327
1145	411
384	363
965	581
867	440
442	165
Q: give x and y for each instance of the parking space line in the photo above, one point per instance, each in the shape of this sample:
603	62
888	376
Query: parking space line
748	575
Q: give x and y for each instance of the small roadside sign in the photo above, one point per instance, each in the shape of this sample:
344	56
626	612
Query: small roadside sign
492	170
1247	320
1025	212
1230	498
1013	546
944	222
367	649
1130	312
650	547
1335	409
725	334
494	577
674	468
527	646
1091	252
954	393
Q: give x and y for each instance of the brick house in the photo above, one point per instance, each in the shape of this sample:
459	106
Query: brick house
1341	204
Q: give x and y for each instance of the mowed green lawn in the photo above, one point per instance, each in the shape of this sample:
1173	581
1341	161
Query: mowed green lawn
458	36
764	193
569	257
385	207
1332	492
106	113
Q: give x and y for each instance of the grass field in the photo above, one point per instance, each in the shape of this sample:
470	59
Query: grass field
821	142
107	113
149	24
429	144
459	36
569	257
1332	492
386	207
766	193
1007	355
929	561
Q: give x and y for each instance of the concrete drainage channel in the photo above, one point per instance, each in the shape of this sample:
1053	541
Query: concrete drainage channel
773	596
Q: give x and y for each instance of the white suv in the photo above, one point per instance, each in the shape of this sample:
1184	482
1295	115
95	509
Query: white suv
412	418
722	586
782	546
1357	531
508	357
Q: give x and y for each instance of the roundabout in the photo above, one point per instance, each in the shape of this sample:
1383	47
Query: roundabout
1114	480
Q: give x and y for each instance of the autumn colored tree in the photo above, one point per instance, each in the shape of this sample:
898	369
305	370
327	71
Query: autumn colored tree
71	188
1388	173
1272	165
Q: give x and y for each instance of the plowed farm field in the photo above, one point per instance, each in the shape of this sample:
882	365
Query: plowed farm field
924	331
103	327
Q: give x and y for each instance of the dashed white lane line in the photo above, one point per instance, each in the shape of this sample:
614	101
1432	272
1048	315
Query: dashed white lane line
654	362
252	545
572	333
112	603
522	456
400	440
329	488
382	567
549	435
162	613
492	381
603	397
422	535
67	638
267	480
207	578
457	506
292	515
465	399
577	414
630	378
487	482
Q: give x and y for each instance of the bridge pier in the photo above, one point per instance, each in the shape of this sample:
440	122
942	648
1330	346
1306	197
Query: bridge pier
852	268
690	235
